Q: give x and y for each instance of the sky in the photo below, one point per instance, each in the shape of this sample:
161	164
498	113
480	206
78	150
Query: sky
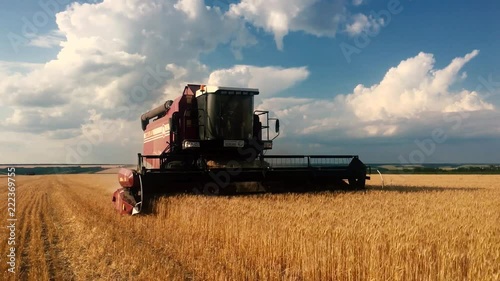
393	81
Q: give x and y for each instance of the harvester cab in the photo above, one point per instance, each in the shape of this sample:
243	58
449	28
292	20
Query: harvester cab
209	139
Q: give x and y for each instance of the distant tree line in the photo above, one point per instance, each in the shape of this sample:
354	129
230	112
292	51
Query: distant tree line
491	169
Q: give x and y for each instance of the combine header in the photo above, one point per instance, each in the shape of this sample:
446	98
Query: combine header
210	139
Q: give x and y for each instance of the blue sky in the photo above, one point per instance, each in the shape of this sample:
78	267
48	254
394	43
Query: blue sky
427	64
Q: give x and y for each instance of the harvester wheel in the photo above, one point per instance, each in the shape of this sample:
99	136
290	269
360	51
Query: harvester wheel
357	183
211	189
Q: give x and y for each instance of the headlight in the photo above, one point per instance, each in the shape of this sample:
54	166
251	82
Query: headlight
190	144
268	145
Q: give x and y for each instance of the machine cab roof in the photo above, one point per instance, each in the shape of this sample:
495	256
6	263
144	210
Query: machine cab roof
207	89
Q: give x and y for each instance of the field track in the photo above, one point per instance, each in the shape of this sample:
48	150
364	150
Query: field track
416	228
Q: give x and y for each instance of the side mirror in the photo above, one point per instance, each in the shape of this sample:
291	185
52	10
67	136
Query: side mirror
174	121
277	126
144	124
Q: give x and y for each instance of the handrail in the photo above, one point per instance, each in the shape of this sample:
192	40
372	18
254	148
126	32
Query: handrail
287	161
275	156
311	156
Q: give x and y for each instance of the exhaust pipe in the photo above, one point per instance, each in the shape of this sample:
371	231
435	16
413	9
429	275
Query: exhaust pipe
160	110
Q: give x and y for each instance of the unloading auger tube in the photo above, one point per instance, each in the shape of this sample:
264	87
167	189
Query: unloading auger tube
210	140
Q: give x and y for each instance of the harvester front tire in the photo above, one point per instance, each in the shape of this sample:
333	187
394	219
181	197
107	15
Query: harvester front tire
357	183
211	189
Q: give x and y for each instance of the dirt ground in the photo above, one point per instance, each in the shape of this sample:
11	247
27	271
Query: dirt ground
66	229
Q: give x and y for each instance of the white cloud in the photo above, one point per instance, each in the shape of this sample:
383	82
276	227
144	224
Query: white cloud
270	80
49	40
192	8
119	58
316	17
412	97
116	54
321	18
413	87
8	68
360	23
357	2
468	101
115	62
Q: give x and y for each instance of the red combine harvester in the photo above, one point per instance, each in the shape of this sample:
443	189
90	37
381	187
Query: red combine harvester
210	139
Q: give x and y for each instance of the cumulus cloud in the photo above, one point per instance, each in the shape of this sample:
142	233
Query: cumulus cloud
360	23
120	58
320	18
49	40
411	98
316	17
357	2
413	87
8	68
117	59
270	79
116	54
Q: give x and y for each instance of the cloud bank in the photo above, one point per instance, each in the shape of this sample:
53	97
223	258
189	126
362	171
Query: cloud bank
320	18
120	58
117	59
412	98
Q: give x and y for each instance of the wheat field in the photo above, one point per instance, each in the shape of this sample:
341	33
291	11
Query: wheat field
418	227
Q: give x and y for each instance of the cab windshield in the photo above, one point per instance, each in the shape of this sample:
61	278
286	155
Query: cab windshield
229	117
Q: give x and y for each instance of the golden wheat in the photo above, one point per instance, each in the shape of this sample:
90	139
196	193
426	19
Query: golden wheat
416	228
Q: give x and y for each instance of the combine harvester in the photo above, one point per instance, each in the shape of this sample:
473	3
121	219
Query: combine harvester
210	139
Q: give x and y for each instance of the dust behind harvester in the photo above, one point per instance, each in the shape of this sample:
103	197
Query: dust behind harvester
210	139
